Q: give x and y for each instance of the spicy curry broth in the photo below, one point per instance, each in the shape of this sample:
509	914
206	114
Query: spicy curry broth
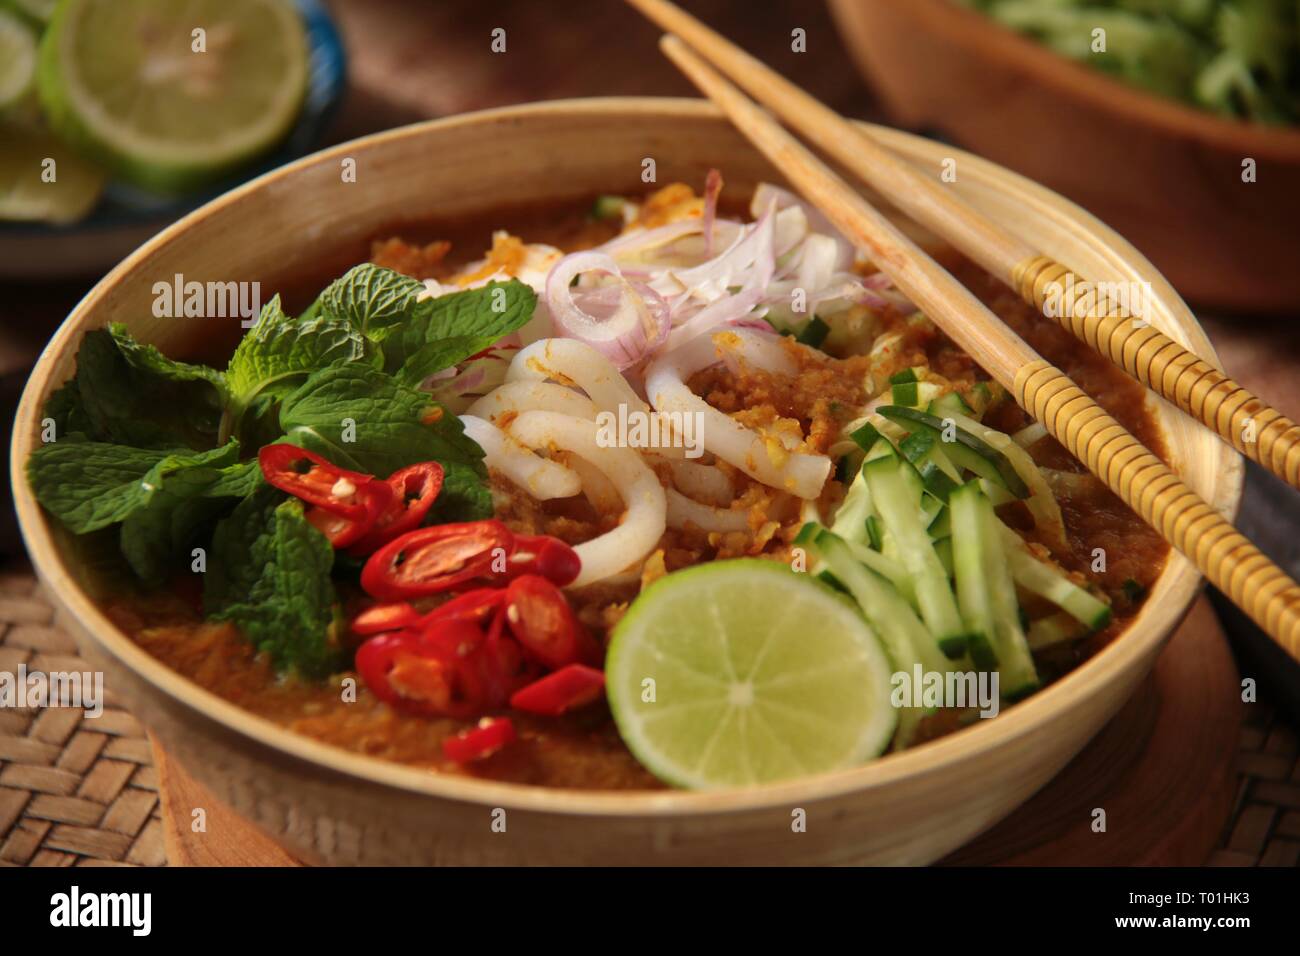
583	749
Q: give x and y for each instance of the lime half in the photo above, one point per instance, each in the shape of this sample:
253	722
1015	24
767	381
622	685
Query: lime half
173	95
41	180
744	672
17	60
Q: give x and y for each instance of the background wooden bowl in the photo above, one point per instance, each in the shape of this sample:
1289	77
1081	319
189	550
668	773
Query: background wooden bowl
329	805
1165	175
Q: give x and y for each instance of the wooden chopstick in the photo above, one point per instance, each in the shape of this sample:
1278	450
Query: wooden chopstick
1253	582
1157	361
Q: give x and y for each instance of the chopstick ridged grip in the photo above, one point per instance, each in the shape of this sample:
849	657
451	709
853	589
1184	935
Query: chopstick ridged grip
1160	363
1150	488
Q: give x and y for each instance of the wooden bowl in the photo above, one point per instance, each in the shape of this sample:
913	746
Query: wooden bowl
1167	176
329	805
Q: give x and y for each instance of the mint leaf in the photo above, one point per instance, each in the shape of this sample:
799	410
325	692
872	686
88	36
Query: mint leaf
90	485
362	419
372	299
65	408
279	353
236	481
157	538
465	496
270	576
129	394
147	360
445	331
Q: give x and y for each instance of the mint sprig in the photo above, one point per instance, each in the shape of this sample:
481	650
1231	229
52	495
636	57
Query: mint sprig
151	446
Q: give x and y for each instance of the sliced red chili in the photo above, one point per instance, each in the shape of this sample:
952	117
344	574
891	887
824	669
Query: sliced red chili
501	662
414	490
386	617
491	734
432	560
426	673
542	554
477	605
567	689
310	477
542	621
343	531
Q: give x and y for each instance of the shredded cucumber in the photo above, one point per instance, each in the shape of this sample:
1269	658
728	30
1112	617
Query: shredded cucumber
896	505
1045	581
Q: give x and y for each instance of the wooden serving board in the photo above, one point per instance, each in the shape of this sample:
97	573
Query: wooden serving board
1163	770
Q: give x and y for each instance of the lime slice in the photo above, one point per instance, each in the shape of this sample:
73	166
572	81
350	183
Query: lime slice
173	95
41	180
17	60
744	672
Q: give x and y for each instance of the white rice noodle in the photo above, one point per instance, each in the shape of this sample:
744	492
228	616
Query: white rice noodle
526	396
570	362
646	507
541	478
702	482
598	489
755	349
683	512
765	459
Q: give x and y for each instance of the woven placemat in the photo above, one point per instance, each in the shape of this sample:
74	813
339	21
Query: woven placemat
74	790
77	791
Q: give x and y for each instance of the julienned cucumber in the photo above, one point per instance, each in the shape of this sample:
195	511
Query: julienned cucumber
1015	663
961	447
1041	579
906	640
948	404
937	473
974	591
897	505
851	519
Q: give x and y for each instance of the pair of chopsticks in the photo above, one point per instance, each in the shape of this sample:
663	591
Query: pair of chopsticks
1235	566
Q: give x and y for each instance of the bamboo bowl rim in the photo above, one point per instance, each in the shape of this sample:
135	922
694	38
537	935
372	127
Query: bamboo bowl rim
1073	80
1142	638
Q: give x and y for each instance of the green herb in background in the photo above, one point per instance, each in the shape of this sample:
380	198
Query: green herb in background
1237	58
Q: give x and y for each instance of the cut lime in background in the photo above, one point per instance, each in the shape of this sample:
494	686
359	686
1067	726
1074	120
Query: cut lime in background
17	61
122	80
757	673
41	179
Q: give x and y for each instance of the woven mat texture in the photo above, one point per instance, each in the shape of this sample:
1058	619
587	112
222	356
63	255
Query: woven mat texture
76	791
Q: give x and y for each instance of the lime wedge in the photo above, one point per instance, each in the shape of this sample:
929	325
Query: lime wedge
171	95
41	180
744	672
17	60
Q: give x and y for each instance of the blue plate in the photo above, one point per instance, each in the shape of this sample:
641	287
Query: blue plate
126	216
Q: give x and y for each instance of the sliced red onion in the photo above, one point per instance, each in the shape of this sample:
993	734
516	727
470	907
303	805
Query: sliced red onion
721	271
723	312
623	321
712	189
767	193
641	240
459	387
